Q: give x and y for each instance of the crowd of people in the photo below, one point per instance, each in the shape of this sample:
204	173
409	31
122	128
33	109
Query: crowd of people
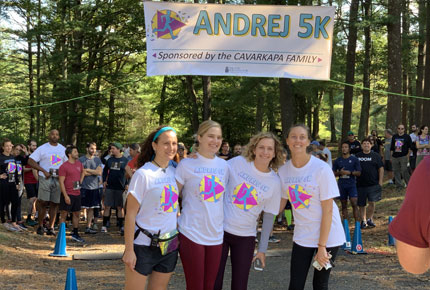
203	202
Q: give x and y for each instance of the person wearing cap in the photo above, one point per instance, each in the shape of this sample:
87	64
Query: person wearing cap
182	151
114	182
314	148
354	144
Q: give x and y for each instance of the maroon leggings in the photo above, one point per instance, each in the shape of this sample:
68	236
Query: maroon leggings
241	255
200	263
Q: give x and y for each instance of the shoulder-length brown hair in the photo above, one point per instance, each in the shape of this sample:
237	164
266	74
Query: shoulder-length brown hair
277	160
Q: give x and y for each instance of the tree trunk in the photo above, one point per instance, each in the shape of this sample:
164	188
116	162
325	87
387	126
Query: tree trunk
38	85
30	73
193	100
331	116
111	117
309	111
316	115
162	101
350	69
363	129
207	97
420	63
286	100
259	113
426	103
394	65
406	60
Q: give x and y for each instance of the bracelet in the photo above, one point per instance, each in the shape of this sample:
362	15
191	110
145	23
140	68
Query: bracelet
323	246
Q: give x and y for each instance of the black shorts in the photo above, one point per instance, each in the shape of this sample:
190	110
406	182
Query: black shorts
74	206
31	189
371	193
388	166
149	259
90	198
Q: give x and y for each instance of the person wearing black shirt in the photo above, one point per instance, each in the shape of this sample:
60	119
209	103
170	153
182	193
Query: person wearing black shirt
114	182
369	183
9	184
353	144
400	150
225	151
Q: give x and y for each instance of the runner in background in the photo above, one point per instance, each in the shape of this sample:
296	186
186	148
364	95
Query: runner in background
31	184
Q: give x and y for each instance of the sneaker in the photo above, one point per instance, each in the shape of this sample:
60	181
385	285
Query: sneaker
95	227
77	238
22	226
9	227
103	230
50	232
390	181
90	231
256	240
121	231
363	225
31	222
290	228
370	224
40	231
274	239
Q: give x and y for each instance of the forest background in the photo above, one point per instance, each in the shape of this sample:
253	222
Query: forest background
79	66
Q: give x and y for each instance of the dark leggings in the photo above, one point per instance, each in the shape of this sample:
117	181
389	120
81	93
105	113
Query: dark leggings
200	263
301	259
241	254
8	194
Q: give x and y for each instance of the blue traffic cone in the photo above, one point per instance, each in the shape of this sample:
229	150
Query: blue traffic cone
60	244
390	237
347	245
357	244
71	283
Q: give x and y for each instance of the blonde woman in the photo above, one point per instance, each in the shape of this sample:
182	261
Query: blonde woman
253	187
202	181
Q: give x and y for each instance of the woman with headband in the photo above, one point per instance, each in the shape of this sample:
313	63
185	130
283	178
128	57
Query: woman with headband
253	187
151	237
202	181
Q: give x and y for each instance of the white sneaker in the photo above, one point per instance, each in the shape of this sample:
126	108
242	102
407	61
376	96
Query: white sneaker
104	230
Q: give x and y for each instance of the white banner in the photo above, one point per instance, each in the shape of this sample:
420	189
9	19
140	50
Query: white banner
239	40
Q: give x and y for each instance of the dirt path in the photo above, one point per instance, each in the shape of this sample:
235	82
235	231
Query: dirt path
25	263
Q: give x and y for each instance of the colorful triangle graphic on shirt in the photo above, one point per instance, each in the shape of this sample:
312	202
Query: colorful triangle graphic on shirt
245	196
298	196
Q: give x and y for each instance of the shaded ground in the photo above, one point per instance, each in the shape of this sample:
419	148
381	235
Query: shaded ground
25	263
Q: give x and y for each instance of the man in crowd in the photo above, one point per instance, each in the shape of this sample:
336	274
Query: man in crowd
131	167
347	167
114	182
388	166
369	183
47	159
400	150
413	155
90	185
71	174
353	143
225	151
237	150
30	183
326	151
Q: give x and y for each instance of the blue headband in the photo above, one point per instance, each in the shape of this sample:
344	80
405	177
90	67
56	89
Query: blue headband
161	131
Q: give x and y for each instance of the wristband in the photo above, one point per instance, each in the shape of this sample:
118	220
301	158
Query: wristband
323	246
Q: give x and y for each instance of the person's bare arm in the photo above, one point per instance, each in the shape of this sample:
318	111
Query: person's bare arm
413	259
34	164
381	175
129	257
327	217
63	189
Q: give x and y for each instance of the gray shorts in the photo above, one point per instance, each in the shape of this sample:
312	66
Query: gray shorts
371	193
113	197
49	189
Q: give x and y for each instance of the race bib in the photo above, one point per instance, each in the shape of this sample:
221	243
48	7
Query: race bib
115	166
76	185
53	172
11	177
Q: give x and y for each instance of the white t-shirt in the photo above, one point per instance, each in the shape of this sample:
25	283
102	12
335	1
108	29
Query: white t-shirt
327	152
306	187
49	157
157	194
202	215
249	192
